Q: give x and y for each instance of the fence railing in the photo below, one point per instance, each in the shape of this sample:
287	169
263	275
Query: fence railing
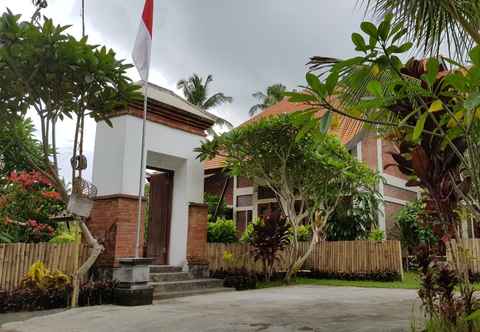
472	252
16	259
339	257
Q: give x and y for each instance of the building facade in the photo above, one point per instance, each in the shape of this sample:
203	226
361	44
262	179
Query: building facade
249	201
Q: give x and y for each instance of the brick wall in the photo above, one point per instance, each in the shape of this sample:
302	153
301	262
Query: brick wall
113	222
197	233
243	182
388	147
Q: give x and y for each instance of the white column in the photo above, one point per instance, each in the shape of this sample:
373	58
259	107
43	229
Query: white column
381	207
359	151
255	202
234	199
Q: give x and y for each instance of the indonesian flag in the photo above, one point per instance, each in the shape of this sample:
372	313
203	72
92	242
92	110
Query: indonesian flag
143	44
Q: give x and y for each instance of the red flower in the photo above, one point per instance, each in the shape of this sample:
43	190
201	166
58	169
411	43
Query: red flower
53	195
32	223
28	179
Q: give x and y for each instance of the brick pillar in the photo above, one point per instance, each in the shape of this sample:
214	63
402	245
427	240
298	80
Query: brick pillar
113	222
197	234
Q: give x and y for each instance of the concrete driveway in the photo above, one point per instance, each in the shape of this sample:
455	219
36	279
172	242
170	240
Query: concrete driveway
296	308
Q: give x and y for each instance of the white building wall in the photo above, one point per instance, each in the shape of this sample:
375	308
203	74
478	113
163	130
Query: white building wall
117	163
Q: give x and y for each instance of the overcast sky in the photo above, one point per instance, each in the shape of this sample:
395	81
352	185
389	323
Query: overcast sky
246	45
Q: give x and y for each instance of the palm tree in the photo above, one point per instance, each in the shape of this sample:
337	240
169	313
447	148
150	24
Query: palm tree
275	93
195	91
435	23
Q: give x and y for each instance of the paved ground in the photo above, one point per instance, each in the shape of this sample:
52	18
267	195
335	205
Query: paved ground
297	308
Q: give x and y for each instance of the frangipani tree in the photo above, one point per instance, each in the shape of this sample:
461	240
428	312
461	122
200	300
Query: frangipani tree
308	171
44	69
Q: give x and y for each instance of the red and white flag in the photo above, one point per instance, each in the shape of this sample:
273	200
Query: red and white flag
143	44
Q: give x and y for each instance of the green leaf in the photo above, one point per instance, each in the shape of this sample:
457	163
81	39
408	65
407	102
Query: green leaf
331	81
375	88
454	80
474	316
436	106
314	82
384	27
417	131
300	97
359	42
369	28
399	35
326	121
475	55
472	102
432	70
405	47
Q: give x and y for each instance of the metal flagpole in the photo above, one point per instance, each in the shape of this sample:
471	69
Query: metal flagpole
142	169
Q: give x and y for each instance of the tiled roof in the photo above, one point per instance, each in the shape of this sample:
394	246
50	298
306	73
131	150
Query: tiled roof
214	163
345	129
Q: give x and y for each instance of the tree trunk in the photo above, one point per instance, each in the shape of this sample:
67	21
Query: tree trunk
300	261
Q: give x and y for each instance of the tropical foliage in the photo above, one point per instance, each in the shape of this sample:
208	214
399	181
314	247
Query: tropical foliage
429	108
269	236
43	289
45	69
196	91
273	95
434	24
27	203
17	144
222	231
414	229
353	219
291	156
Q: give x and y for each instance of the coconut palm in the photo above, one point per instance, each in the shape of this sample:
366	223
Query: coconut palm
453	24
195	90
274	94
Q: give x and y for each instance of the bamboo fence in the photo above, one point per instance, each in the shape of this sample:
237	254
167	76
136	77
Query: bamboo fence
471	253
339	257
16	259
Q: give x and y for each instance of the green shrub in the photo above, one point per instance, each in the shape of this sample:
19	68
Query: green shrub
222	231
63	237
376	235
304	233
353	219
247	235
412	231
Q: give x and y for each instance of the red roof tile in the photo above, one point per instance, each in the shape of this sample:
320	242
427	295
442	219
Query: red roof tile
345	129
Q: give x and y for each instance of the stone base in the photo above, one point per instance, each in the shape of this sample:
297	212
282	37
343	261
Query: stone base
133	277
132	271
135	296
199	271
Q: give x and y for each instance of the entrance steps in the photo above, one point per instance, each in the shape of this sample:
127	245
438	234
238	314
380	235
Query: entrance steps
170	282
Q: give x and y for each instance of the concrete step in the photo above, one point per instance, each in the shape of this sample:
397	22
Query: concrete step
164	269
170	276
185	285
202	291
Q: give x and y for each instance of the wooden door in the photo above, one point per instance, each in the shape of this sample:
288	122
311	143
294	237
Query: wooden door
161	196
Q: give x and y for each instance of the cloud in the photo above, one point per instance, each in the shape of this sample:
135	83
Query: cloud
246	45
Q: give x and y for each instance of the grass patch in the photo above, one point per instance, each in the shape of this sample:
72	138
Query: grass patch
410	281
